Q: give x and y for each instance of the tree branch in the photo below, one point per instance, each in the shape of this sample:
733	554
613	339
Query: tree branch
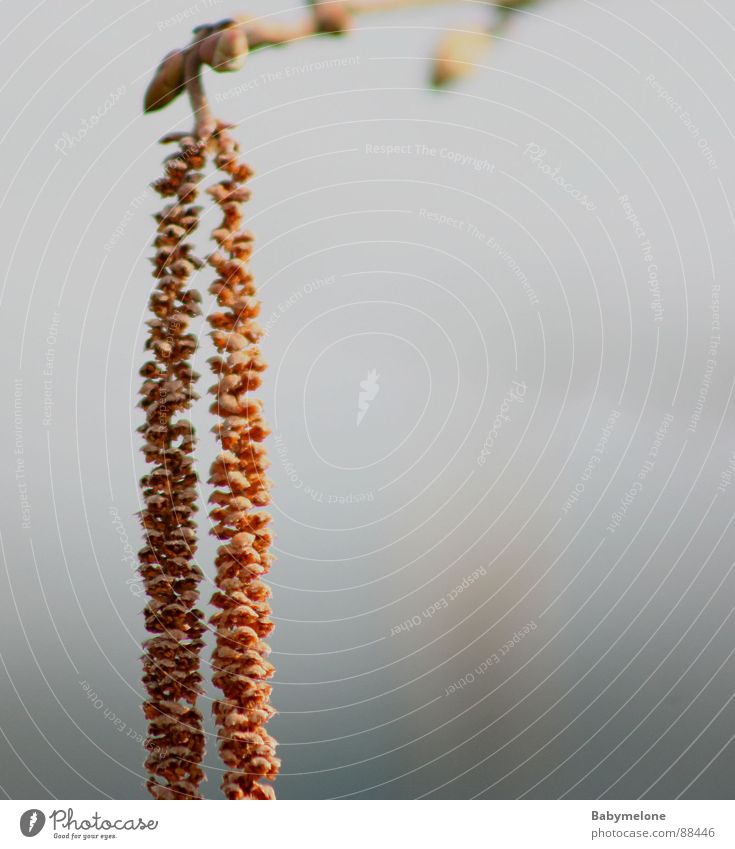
223	46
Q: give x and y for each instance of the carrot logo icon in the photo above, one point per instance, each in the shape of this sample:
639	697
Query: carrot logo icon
370	389
31	822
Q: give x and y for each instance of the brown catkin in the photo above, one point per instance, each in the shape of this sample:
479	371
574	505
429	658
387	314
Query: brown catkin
240	666
171	676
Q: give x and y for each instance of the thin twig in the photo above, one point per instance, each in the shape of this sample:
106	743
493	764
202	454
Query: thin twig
204	121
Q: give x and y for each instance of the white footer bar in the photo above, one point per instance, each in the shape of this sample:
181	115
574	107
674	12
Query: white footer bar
370	824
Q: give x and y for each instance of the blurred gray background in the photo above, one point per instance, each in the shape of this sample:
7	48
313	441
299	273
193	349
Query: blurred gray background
514	577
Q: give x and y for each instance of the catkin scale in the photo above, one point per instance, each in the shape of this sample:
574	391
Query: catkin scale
171	675
240	666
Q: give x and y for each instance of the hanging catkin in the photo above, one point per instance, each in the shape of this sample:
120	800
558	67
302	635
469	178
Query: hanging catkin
171	676
171	664
240	667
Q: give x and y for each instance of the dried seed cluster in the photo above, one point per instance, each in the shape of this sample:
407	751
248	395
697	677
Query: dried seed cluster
171	674
240	666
